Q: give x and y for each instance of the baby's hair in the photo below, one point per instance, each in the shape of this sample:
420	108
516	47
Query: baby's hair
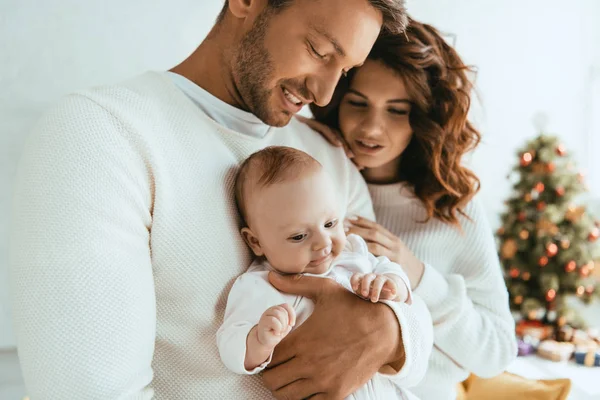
274	164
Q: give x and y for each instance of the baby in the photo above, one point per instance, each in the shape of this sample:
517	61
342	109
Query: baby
294	226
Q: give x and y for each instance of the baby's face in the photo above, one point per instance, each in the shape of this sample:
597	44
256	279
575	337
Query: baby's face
299	224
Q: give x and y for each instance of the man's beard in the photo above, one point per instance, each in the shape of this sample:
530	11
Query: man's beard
253	70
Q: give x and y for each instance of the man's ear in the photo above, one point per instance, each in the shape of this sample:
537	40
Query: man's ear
252	241
244	8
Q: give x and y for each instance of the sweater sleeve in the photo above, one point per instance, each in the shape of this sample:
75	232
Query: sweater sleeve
469	306
80	266
359	199
250	296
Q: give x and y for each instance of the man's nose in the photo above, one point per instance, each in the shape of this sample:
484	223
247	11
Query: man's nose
323	86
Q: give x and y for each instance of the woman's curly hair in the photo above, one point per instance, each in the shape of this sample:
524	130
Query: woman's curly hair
440	90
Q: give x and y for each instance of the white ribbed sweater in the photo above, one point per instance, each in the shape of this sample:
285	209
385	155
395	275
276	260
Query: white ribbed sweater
125	243
462	287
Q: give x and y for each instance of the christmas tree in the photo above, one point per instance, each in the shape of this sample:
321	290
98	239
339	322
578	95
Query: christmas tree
548	243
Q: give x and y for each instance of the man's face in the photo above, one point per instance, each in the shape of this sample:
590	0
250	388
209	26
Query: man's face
296	56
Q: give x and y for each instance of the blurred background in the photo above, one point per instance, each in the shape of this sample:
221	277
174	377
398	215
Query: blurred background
538	65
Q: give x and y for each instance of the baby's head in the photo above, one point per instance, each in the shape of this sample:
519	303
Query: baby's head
290	209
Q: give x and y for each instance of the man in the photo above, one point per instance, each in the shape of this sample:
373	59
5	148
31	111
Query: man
125	238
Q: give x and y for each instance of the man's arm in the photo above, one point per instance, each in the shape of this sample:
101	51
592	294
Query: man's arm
80	268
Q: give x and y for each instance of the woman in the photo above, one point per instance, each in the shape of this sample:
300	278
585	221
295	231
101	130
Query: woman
403	118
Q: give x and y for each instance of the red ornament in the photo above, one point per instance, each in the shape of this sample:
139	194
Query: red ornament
551	249
584	271
541	206
594	234
561	150
543	261
526	276
589	289
560	191
551	295
514	273
526	159
571	266
522	216
539	187
550	167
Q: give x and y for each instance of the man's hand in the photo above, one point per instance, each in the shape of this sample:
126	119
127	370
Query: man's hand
338	349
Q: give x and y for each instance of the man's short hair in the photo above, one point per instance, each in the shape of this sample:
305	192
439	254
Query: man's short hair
271	165
395	18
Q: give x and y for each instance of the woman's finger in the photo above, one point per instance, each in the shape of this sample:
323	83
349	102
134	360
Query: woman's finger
325	131
378	250
371	235
367	223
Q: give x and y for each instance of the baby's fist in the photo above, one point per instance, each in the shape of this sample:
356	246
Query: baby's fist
275	323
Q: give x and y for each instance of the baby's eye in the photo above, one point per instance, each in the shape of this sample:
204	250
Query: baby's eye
331	224
297	238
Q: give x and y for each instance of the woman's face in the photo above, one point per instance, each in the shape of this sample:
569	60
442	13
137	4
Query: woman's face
374	116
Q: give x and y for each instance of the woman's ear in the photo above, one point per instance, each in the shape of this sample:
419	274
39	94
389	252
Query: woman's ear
252	241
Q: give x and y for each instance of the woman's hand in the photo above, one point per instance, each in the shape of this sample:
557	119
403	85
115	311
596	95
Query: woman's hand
333	136
382	242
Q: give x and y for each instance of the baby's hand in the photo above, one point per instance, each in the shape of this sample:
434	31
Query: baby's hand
376	287
275	324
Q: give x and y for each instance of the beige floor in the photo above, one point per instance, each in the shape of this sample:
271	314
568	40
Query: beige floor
11	383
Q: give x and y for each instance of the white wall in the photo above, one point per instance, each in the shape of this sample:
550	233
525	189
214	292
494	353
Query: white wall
50	48
533	55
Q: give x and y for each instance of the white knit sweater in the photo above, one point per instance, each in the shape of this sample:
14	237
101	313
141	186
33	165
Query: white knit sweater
462	287
126	242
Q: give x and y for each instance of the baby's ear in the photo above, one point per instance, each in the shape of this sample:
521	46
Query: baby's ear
252	241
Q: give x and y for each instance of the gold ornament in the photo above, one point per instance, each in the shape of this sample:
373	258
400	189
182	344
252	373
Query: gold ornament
528	198
580	177
573	213
561	150
565	244
526	276
538	168
524	234
550	167
519	300
500	231
571	266
560	191
509	249
580	291
546	227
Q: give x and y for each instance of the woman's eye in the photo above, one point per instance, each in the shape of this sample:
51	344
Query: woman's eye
356	103
297	238
398	112
331	224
